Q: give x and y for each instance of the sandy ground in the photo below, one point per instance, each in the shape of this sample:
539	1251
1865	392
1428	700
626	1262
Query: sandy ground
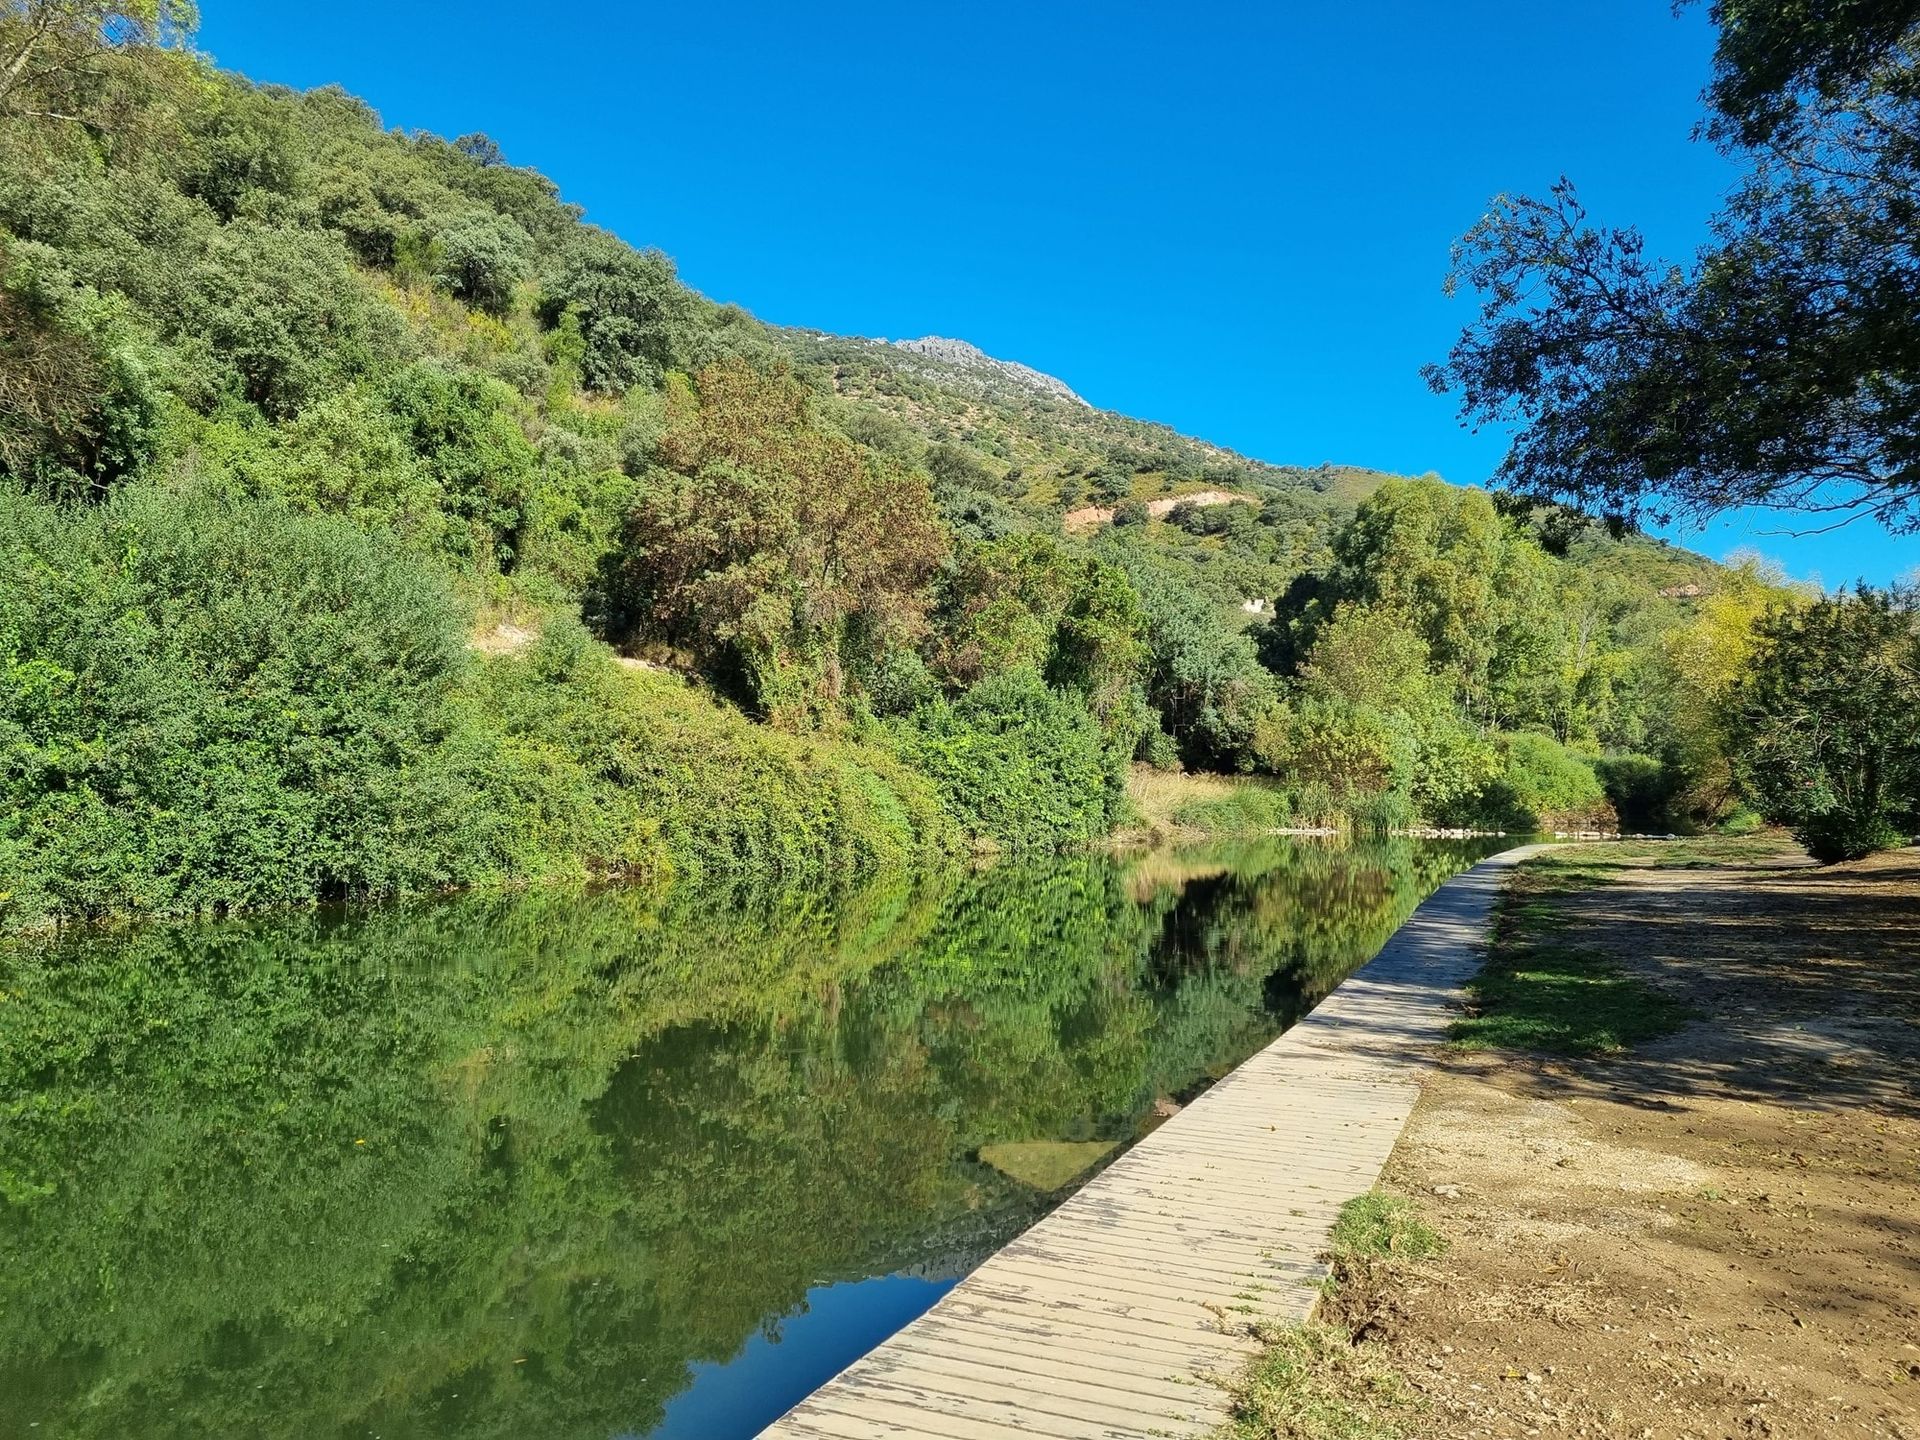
1715	1235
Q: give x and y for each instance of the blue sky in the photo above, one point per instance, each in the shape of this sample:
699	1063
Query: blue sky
1234	218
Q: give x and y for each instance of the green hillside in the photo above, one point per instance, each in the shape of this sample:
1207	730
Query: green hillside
373	524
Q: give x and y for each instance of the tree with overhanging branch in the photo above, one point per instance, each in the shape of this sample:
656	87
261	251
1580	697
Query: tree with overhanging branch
1780	367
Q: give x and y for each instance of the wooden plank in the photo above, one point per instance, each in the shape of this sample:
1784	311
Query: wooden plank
1119	1315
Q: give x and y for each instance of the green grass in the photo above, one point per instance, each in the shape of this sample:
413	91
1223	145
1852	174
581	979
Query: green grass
1314	1383
1565	1000
1376	1226
1322	1380
1247	808
1540	993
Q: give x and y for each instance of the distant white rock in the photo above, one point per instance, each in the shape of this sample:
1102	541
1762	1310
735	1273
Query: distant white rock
963	356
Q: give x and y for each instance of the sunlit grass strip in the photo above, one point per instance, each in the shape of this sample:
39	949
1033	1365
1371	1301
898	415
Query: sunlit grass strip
1540	994
1320	1380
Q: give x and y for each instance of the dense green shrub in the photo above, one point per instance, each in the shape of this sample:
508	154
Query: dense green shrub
1203	679
1545	786
210	704
1019	765
1827	722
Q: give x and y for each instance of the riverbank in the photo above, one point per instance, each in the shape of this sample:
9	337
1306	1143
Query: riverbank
655	1162
1671	1155
1122	1313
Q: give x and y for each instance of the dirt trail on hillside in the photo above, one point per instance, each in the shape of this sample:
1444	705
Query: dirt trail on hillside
1716	1235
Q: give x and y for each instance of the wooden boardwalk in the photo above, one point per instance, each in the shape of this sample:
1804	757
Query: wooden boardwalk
1118	1315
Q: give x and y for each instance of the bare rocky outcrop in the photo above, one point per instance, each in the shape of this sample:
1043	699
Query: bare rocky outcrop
961	355
1089	517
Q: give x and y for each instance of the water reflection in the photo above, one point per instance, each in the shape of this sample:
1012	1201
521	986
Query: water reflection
613	1164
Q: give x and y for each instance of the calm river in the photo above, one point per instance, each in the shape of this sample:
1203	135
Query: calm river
612	1165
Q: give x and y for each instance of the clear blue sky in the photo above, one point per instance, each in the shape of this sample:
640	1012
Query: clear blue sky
1234	218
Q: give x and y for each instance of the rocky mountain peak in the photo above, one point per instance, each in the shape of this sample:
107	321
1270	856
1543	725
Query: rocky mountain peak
963	356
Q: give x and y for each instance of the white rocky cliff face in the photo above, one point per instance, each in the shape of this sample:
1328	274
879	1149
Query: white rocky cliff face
961	355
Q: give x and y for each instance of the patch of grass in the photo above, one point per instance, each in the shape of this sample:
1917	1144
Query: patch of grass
1540	993
1563	999
1247	807
1376	1226
1314	1383
1220	804
1328	1379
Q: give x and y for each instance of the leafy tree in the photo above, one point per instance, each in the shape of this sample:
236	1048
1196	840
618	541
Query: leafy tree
1827	721
1543	786
954	468
1780	368
632	312
1111	483
1203	680
1341	759
52	52
1029	601
1703	662
1444	562
770	549
482	257
1368	663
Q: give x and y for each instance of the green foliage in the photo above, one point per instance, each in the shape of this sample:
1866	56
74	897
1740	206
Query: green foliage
276	316
462	428
265	301
1828	722
1777	367
1545	786
1640	789
1247	807
1447	567
211	705
1019	764
78	401
633	315
775	552
482	258
593	768
1204	680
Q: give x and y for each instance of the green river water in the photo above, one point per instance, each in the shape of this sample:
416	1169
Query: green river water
613	1164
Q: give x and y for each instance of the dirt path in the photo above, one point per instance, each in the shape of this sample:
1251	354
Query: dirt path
1716	1234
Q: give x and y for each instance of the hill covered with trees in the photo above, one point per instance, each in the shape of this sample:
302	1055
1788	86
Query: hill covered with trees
373	524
